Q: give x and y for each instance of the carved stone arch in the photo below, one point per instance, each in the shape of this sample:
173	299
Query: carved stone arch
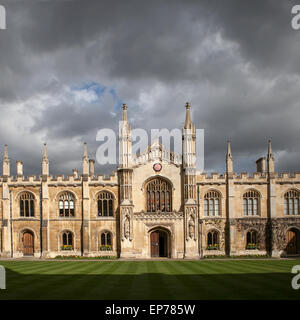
28	229
17	195
160	227
212	189
56	198
283	193
95	197
251	190
157	176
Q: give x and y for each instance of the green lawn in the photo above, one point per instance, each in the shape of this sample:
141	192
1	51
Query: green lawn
213	279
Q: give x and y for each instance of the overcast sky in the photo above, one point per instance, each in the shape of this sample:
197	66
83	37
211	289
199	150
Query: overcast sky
67	66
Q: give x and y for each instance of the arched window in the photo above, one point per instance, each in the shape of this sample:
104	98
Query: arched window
213	240
212	203
27	204
159	195
291	202
251	203
66	205
252	240
67	240
105	204
105	241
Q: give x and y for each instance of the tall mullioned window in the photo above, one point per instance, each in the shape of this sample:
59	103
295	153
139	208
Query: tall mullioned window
212	203
27	204
66	205
291	202
251	203
105	204
158	194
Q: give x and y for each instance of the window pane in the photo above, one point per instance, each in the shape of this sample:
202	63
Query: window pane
65	241
255	201
31	208
105	213
216	207
100	208
245	207
108	239
209	239
285	206
211	206
66	204
103	239
26	208
206	207
22	208
296	204
250	209
291	206
110	208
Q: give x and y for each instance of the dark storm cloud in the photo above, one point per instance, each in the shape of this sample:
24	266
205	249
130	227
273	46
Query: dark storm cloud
236	61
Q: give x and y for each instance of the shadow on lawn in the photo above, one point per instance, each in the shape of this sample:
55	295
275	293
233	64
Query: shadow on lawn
149	286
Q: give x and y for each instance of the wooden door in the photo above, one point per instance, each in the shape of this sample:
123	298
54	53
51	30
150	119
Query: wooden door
291	238
154	238
28	244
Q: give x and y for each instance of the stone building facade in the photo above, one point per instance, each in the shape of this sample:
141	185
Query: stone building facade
155	205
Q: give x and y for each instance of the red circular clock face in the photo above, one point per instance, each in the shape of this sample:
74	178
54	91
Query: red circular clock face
157	167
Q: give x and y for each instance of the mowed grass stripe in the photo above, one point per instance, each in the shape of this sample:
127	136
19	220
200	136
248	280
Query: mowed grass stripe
29	286
238	279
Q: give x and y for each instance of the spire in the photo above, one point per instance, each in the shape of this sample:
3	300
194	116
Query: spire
45	155
229	149
45	162
5	158
85	160
6	163
188	122
125	118
229	160
85	151
270	157
270	152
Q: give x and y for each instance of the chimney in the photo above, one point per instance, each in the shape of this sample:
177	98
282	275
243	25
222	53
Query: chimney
19	168
92	167
75	173
261	165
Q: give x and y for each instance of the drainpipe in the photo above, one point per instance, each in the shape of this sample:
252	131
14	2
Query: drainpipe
41	224
11	229
199	226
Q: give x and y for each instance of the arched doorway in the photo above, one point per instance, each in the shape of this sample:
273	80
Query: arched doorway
159	243
28	243
292	241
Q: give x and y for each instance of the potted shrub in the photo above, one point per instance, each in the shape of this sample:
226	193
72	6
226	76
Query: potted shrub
66	247
251	246
106	247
